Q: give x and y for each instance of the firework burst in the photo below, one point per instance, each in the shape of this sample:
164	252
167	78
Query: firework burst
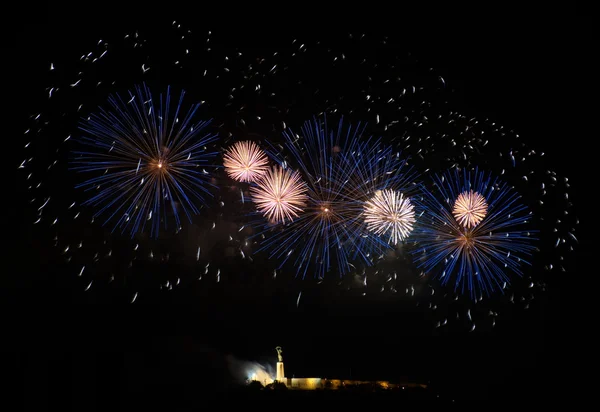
469	209
147	159
279	195
245	161
390	214
475	258
414	109
342	172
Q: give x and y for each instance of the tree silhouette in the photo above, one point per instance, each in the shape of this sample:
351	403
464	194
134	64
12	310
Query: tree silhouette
255	385
276	386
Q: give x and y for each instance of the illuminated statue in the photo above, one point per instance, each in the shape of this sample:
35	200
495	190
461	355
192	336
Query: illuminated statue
279	352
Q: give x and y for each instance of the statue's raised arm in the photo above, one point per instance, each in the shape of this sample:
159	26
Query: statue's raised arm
279	352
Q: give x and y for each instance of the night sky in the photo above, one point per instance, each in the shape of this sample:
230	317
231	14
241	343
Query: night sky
94	349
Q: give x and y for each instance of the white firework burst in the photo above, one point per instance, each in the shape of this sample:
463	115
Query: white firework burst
245	161
390	214
469	209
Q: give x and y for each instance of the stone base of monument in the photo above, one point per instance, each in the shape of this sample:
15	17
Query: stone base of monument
280	375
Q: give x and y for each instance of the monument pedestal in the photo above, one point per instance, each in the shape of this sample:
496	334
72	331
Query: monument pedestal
280	376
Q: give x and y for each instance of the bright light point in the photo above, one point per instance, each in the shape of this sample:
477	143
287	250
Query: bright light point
467	239
469	209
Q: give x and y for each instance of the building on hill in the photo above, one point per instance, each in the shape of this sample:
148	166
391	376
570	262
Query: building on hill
332	384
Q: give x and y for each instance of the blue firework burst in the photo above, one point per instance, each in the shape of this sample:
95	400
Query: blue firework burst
477	254
147	159
342	172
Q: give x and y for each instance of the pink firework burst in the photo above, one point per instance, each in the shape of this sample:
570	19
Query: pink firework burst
469	209
279	194
245	161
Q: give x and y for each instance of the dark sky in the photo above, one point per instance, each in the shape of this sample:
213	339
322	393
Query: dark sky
531	72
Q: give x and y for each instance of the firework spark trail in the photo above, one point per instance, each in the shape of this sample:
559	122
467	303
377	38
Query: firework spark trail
150	159
476	258
245	161
279	195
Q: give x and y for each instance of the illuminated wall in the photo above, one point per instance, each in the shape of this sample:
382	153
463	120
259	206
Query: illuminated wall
305	383
322	383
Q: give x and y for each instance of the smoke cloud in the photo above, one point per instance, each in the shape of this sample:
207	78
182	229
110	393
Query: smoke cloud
243	371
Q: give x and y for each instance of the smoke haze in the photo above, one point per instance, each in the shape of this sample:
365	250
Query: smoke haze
243	370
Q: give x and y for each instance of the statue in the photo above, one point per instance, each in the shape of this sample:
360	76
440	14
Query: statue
279	351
